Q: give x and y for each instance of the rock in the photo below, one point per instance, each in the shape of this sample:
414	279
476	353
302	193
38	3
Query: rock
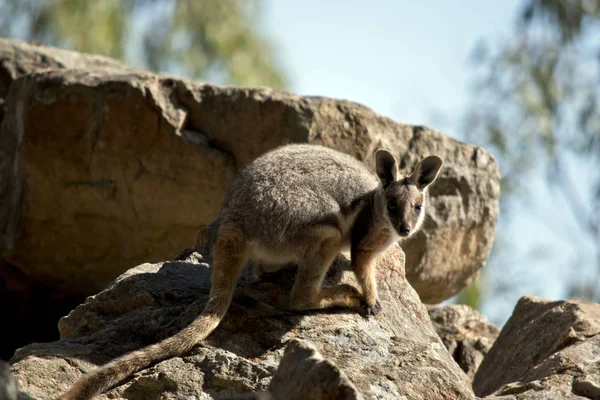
304	374
465	332
37	305
546	350
125	166
389	356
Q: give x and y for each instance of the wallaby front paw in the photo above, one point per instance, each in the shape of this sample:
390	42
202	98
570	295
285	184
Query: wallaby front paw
372	310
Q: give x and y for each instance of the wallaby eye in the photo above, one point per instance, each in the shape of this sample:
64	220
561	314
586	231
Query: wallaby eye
418	207
391	206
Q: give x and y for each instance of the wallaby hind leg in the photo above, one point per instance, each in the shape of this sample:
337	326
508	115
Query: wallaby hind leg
308	293
363	265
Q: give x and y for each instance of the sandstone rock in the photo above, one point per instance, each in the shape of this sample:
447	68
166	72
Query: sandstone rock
304	374
102	168
546	350
389	356
20	58
466	333
36	305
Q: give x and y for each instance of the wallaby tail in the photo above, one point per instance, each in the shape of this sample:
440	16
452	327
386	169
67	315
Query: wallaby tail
106	376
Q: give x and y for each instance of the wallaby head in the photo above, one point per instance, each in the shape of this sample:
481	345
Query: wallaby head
403	198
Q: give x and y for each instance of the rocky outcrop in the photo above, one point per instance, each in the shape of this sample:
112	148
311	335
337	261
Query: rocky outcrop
102	167
546	350
395	354
466	333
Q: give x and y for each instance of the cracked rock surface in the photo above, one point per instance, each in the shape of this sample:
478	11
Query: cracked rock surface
395	354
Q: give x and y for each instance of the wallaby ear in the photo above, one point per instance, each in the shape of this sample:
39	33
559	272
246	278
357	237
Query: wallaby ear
386	167
426	171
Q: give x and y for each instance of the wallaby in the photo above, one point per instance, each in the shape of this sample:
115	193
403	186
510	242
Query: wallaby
300	204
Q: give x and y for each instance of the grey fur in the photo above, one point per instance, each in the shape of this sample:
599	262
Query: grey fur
279	199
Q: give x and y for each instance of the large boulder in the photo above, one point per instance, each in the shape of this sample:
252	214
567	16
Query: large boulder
36	305
395	354
546	350
102	167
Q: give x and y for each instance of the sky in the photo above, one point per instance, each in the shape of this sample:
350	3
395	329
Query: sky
405	60
410	61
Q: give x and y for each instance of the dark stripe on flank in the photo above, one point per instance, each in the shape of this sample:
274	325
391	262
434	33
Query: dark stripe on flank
331	220
356	204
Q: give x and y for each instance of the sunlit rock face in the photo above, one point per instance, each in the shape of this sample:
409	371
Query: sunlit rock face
104	167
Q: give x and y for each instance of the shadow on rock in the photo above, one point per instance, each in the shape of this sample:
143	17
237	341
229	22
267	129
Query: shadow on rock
394	354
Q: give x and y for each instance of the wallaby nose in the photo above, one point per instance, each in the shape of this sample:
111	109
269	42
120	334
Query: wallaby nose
404	230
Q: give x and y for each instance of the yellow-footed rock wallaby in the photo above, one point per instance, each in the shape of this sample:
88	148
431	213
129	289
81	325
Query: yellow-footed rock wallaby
300	204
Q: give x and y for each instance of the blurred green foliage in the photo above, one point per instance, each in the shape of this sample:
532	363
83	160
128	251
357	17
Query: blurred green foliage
536	106
472	294
215	40
536	95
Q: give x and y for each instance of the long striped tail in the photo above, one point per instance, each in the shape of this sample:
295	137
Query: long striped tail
108	375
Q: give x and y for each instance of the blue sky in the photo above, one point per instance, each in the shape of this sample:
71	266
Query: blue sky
406	60
410	61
